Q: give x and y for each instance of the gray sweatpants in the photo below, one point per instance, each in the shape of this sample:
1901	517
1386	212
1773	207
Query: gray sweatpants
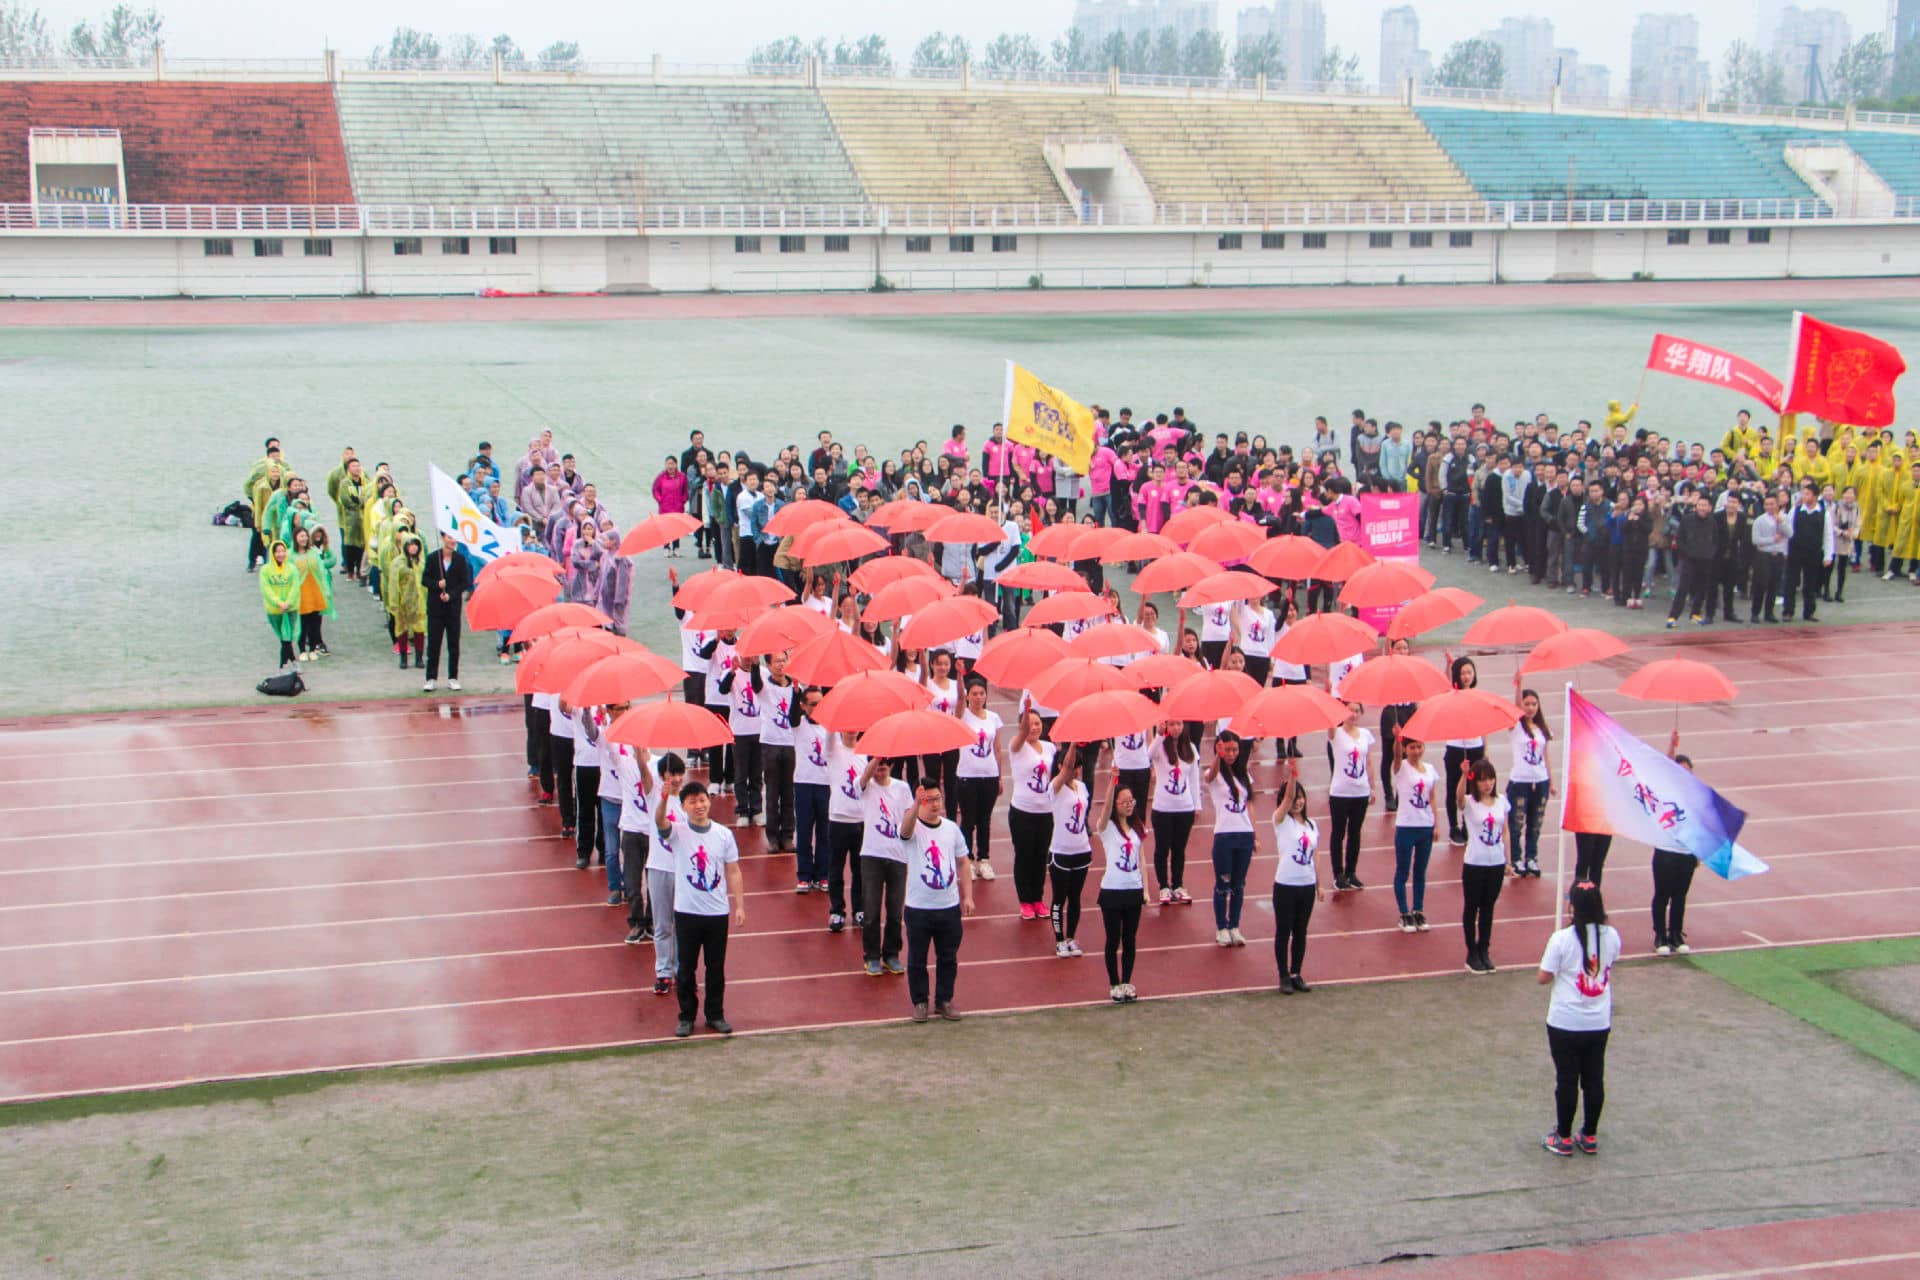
666	956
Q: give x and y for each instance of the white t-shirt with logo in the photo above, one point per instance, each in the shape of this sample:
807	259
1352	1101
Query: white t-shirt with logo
776	713
933	866
1256	631
1350	778
1033	777
1415	788
883	805
1216	622
745	713
812	754
659	856
1230	813
561	724
699	867
1486	823
945	698
1295	842
1176	786
1581	1000
723	660
969	646
1529	756
1339	671
691	643
1124	850
844	767
636	805
982	759
1134	750
1071	812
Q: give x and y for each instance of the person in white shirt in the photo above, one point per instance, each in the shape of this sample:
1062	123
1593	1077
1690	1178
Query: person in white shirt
1296	879
779	708
939	893
744	687
1216	632
594	723
1030	816
1124	883
979	772
1578	963
1175	802
1348	795
721	659
561	733
706	890
846	829
1285	673
1483	867
633	776
884	801
812	785
947	698
1232	794
1339	671
1256	625
1069	851
659	874
1529	784
1416	784
1460	750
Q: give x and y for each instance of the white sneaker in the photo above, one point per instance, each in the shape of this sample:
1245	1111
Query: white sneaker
1222	937
1663	950
759	819
1118	994
1060	951
454	685
427	687
1493	568
1239	938
1073	948
743	821
983	871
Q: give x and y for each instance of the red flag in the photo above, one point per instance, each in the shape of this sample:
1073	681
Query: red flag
1842	375
1721	368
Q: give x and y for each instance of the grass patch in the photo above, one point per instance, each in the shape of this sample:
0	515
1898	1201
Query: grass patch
1792	978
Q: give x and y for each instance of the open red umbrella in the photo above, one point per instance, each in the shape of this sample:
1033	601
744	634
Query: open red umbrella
1055	542
1092	541
945	621
1325	637
517	562
857	701
1288	712
734	604
526	676
797	517
499	603
1138	546
1101	716
1071	679
1185	525
1115	640
622	677
965	526
1069	606
1176	572
1013	658
1460	713
787	627
914	733
657	531
1515	624
1289	557
669	726
1679	680
1394	680
1209	695
909	595
1161	671
905	515
550	618
1234	540
1043	575
1340	562
1574	647
832	657
1378	585
1223	588
1436	608
831	543
692	593
875	574
573	655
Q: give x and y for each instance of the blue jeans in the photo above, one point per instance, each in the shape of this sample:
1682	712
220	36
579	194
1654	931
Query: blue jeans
610	843
1412	846
1476	527
1453	517
1099	506
1528	801
1232	855
810	831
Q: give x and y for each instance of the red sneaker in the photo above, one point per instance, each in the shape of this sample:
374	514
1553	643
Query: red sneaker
1589	1144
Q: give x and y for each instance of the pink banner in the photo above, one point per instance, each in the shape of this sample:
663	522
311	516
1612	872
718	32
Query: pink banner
1390	529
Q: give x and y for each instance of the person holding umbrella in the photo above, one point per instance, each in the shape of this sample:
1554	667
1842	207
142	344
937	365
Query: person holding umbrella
939	893
1122	824
1296	879
447	580
1232	794
1069	851
1030	816
1483	868
1415	781
1174	804
884	802
1460	751
1529	784
707	891
1672	877
1348	795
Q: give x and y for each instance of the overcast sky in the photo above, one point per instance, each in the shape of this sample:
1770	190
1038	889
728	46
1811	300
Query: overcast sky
724	30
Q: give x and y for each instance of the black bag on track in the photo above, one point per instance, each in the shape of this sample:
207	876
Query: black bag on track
287	684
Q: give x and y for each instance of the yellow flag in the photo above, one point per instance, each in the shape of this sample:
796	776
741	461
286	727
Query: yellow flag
1048	419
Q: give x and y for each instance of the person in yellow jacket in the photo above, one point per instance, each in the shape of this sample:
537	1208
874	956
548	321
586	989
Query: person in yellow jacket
280	597
1875	488
408	601
1618	417
1740	435
1904	554
1809	462
376	515
1845	468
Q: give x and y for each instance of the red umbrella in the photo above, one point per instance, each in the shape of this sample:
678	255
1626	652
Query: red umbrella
1106	715
832	657
1515	624
1014	658
1221	588
500	602
1069	606
965	526
1341	561
1184	526
527	674
914	733
1161	671
1288	712
1381	584
1055	542
945	621
787	627
734	604
1043	575
1209	695
669	726
1071	679
1574	647
1138	546
1679	680
860	699
875	574
693	591
515	562
1289	557
1436	608
623	677
1460	713
827	543
1092	541
550	618
657	531
1115	640
573	655
1234	540
909	595
905	515
797	517
1325	637
1394	680
1176	572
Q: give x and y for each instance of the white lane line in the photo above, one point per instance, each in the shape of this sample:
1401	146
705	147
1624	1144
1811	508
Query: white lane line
1765	942
369	762
269	822
1799	1268
224	796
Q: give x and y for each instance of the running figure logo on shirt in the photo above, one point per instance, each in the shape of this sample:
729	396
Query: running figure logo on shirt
1417	797
1531	754
699	875
1489	831
748	707
1256	632
1303	850
1176	784
1133	741
1235	803
980	749
1128	860
1037	779
1592	980
779	706
815	756
884	825
938	874
850	789
1356	765
1076	819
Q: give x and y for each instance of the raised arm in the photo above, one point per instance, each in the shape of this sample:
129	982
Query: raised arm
1060	774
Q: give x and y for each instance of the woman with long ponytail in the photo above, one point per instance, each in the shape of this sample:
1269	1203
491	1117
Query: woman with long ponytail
1578	964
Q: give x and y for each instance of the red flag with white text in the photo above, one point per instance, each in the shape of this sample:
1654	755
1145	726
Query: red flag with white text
1842	375
1686	359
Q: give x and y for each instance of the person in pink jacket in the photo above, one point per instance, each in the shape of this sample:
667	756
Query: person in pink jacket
1100	475
670	495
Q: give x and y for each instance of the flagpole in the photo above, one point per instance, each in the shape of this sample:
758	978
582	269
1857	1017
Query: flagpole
1560	851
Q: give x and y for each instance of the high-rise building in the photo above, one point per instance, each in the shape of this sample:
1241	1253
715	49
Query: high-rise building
1666	68
1401	56
1583	83
1904	17
1301	28
1099	19
1808	42
1526	51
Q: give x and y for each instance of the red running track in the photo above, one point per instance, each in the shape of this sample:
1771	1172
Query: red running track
260	891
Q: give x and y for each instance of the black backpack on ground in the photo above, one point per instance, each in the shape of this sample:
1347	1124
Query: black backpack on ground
287	684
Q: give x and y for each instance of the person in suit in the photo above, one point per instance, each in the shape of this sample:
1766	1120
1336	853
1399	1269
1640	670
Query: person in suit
448	580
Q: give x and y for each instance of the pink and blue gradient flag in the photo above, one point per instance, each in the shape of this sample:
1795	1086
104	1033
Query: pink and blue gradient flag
1617	785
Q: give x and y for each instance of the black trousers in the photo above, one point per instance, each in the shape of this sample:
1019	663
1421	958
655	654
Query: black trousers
634	846
1590	857
310	638
777	763
561	760
1120	913
1804	576
1031	833
350	556
1727	575
693	935
883	892
539	748
1579	1069
944	768
1258	669
1292	908
843	850
586	795
443	628
1457	758
693	689
1672	877
976	798
747	774
939	927
1767	574
1171	831
1480	888
1694	593
1067	873
1349	814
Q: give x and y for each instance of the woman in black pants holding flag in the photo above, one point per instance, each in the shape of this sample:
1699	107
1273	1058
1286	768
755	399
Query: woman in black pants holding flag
1672	877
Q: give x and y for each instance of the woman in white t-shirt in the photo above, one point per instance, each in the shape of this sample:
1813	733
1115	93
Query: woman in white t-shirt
1069	850
979	773
1124	886
1483	867
1216	632
1578	962
1529	784
819	596
1460	750
1232	794
1348	796
1416	783
1256	625
1030	815
1296	879
1176	799
947	698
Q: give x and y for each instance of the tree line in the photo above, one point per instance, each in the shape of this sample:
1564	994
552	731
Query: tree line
411	47
124	33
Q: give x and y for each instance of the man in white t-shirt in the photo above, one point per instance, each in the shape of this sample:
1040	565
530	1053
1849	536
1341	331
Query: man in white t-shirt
812	786
658	911
884	802
779	708
939	892
744	686
706	890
